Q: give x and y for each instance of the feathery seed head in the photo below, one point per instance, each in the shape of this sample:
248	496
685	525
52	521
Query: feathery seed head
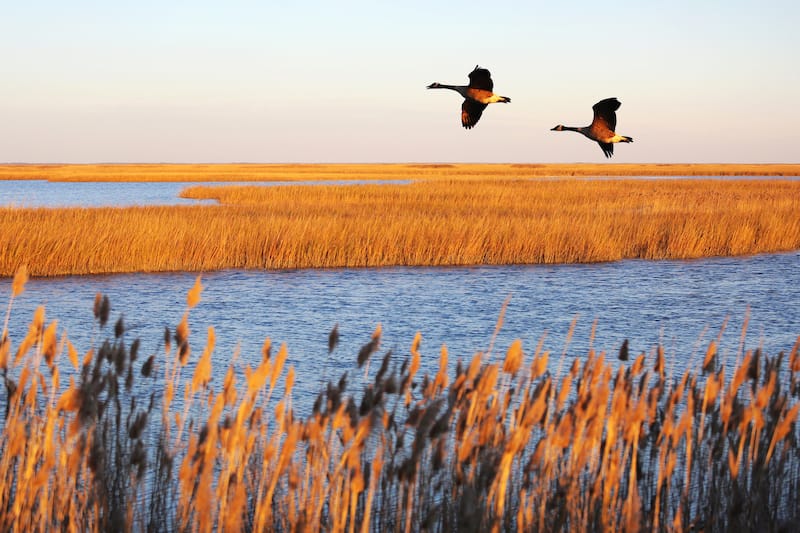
20	279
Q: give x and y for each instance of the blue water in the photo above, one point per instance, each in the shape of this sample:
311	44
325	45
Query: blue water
681	305
41	193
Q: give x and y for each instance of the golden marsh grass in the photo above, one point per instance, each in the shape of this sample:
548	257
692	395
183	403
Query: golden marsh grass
500	443
427	222
305	172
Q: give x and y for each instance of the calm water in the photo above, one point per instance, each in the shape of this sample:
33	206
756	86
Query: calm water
680	304
41	193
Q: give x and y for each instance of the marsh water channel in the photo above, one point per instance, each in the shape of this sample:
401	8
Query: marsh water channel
681	305
43	193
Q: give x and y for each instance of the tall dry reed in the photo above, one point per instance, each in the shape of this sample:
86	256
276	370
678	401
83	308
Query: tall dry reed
500	443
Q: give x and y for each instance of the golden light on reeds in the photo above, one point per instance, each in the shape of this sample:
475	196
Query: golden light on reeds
20	278
486	216
193	296
503	445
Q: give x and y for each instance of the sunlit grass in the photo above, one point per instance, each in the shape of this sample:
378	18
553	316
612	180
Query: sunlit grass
304	172
513	441
436	222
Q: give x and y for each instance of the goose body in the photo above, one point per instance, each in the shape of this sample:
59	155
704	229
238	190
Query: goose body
477	95
602	127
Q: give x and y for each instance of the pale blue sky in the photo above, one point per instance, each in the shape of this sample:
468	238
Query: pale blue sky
147	81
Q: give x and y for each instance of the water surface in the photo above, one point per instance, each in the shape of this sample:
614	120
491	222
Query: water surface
679	304
42	193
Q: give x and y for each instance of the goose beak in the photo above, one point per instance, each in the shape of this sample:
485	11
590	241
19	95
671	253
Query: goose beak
433	85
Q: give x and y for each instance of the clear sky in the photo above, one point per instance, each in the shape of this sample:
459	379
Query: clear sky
260	81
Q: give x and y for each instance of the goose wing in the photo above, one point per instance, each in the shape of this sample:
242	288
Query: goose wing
471	112
604	113
607	148
480	78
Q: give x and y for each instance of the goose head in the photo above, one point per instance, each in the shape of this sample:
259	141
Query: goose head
560	127
434	85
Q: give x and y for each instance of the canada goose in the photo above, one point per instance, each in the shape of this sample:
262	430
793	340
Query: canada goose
477	95
602	127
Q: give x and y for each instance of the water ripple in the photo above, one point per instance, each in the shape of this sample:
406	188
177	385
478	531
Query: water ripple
679	304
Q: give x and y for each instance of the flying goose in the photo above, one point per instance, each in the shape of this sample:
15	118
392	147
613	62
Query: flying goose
477	95
602	127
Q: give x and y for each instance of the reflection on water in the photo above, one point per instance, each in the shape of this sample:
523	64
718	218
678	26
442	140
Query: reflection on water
680	304
41	193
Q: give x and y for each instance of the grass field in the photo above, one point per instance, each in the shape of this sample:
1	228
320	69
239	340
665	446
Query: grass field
302	172
513	441
428	222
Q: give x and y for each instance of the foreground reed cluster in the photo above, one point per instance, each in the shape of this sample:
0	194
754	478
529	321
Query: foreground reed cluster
425	223
137	442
